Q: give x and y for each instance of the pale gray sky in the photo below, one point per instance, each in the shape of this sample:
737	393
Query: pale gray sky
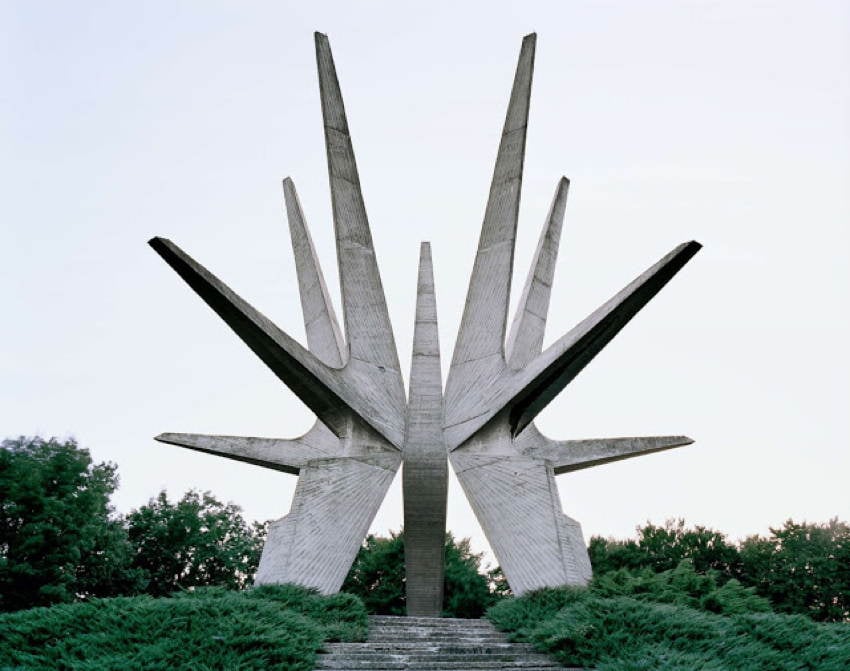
724	122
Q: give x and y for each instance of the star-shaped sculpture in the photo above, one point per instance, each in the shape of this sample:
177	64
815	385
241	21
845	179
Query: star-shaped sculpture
365	426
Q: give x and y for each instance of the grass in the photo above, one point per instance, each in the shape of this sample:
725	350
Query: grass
269	627
676	621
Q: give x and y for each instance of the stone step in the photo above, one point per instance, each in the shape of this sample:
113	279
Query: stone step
436	665
501	656
425	621
411	647
432	644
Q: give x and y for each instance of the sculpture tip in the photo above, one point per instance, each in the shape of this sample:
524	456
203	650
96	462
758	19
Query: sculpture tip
157	242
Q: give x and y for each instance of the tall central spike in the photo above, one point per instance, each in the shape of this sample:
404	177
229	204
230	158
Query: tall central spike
479	351
425	471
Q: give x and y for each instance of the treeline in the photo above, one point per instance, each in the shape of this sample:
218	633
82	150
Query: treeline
800	568
61	541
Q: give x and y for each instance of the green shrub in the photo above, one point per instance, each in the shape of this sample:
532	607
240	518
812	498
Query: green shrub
210	628
682	586
601	628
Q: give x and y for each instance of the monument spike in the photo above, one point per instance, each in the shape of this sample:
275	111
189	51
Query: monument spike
425	471
368	330
526	392
566	456
289	456
525	340
550	372
324	338
328	392
479	350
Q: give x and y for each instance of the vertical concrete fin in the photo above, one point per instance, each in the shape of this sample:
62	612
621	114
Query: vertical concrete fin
525	340
327	392
324	338
425	471
479	350
550	372
368	330
275	453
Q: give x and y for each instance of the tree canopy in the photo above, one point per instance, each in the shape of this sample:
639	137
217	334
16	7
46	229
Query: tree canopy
377	577
59	540
196	541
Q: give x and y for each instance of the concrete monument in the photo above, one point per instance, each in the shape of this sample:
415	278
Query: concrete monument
366	426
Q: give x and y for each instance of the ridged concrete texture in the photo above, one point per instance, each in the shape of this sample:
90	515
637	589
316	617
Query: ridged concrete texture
494	390
347	461
365	426
425	470
433	644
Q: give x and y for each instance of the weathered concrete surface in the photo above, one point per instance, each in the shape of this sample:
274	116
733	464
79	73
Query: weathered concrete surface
432	644
365	426
505	465
425	470
347	461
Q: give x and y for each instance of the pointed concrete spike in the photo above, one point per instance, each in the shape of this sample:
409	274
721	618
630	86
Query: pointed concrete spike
324	338
554	369
526	337
425	472
574	455
523	394
479	350
368	330
275	453
331	394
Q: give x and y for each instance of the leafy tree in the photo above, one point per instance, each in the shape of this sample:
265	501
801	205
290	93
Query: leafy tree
467	591
662	548
196	541
58	541
802	568
377	577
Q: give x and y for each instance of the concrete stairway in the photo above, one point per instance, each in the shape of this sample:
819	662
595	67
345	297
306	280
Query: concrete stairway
432	644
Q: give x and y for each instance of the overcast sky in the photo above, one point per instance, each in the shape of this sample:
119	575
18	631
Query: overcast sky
728	123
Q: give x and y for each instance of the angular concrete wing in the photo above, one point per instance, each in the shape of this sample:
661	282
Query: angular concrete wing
324	339
373	356
332	394
566	456
479	350
505	465
279	454
334	504
347	460
526	337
